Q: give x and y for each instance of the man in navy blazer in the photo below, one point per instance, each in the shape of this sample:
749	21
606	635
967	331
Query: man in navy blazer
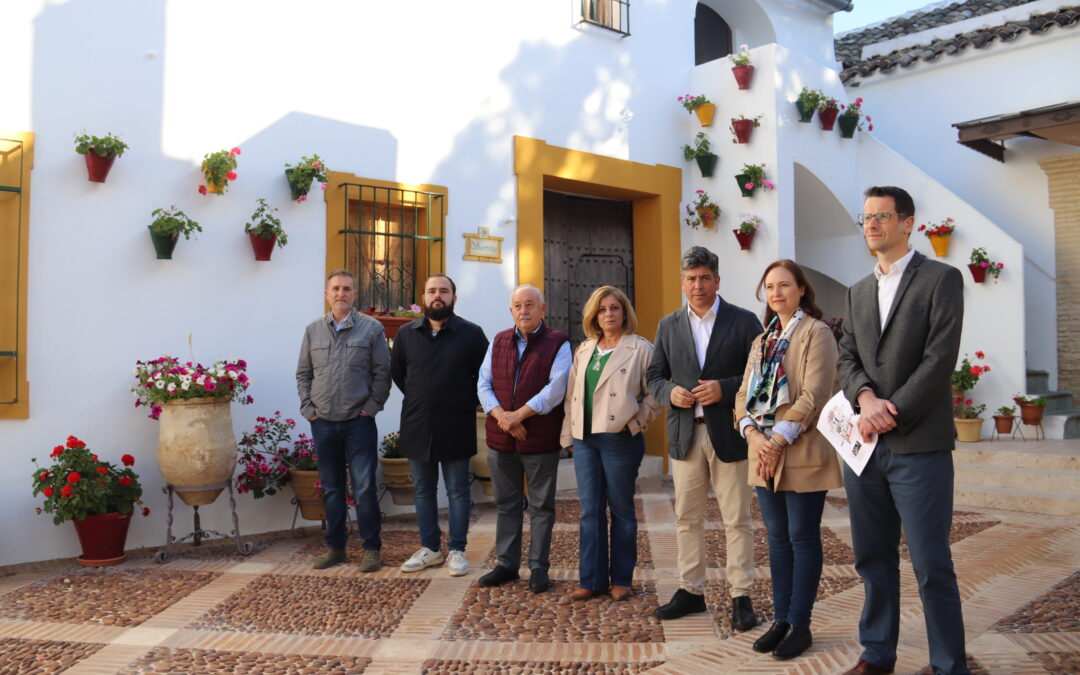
695	371
901	337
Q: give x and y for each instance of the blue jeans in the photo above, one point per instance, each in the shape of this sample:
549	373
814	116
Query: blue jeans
342	447
793	520
607	467
425	477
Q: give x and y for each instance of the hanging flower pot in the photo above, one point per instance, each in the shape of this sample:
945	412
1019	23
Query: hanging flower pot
705	113
295	188
218	169
263	247
743	180
968	431
707	164
398	479
163	244
100	153
166	228
743	75
827	116
97	167
848	124
1003	424
742	128
806	113
214	187
304	174
102	538
746	239
307	495
978	272
708	215
264	230
940	242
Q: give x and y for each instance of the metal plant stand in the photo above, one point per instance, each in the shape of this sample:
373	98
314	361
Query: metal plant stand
996	436
298	532
198	534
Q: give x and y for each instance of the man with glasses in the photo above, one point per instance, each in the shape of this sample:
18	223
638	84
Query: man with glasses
901	337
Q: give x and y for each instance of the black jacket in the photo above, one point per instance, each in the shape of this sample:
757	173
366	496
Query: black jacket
438	374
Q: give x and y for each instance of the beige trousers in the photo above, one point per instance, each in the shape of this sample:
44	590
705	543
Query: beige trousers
729	481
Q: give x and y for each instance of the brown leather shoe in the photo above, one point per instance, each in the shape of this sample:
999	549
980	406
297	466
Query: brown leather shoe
582	594
620	593
864	667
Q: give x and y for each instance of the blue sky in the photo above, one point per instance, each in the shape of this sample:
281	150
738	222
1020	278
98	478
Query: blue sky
872	11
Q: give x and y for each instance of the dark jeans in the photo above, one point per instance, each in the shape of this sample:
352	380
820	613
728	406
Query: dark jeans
509	472
342	447
917	491
425	477
607	467
793	520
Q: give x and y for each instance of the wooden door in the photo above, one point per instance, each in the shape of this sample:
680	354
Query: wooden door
588	243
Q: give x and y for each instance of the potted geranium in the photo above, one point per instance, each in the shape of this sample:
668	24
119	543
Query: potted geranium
700	106
702	212
742	127
967	419
219	168
100	153
851	119
166	228
264	230
828	109
192	402
1031	408
301	176
808	102
1004	418
395	468
939	234
751	178
393	319
97	496
701	152
743	69
748	225
967	375
981	265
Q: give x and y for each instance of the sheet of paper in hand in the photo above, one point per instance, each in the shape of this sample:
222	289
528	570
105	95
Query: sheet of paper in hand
839	425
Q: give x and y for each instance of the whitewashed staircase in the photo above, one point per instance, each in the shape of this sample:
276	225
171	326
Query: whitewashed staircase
1062	417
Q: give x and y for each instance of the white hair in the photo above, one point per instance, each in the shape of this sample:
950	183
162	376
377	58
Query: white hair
530	287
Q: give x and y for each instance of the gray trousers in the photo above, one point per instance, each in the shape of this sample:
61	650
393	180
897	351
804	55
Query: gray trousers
509	471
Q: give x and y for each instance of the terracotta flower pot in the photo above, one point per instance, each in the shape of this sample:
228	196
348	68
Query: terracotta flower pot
391	324
398	479
102	538
97	167
478	463
1031	414
742	179
163	245
978	273
745	238
968	431
941	242
307	495
197	446
263	247
743	75
848	125
705	113
742	129
805	114
827	118
707	164
1003	424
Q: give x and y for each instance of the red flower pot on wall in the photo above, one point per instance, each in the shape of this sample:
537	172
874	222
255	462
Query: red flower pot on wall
743	75
742	129
978	272
97	167
263	247
102	539
828	118
746	239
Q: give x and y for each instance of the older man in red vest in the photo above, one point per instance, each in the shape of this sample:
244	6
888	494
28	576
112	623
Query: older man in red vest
521	387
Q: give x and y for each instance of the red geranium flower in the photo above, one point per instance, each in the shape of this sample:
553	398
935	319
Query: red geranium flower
73	442
48	492
981	355
103	469
56	451
125	480
65	491
231	175
44	475
234	152
202	189
146	511
73	477
127	460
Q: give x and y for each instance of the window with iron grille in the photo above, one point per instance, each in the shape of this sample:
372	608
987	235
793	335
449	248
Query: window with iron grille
16	160
393	242
613	15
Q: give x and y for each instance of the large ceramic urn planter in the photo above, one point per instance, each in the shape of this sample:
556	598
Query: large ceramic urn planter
968	431
478	463
98	167
1031	414
102	538
197	447
827	117
705	113
307	495
398	479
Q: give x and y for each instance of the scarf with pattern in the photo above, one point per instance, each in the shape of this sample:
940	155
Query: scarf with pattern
768	388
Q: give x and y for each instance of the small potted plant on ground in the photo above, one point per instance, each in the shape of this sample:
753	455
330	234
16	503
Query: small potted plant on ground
702	212
100	153
828	109
752	178
301	176
395	467
743	69
166	228
219	168
807	102
264	230
981	265
967	375
939	234
967	419
269	459
1031	408
1003	419
97	496
851	119
700	106
742	127
748	225
701	152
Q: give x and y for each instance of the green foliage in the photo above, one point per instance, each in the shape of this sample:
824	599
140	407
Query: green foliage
265	224
172	222
700	147
966	375
105	146
218	167
1009	410
811	98
78	484
306	171
1020	399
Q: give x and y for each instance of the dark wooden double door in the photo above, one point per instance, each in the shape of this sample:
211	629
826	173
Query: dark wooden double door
588	243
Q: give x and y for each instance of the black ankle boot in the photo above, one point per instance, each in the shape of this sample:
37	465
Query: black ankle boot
772	637
797	641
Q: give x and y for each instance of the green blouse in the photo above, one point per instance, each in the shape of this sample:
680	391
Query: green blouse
592	376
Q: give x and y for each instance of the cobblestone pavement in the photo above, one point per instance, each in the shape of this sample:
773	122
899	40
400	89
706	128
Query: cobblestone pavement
211	610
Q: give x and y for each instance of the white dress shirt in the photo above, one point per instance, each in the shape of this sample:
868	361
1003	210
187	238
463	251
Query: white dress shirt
887	284
701	329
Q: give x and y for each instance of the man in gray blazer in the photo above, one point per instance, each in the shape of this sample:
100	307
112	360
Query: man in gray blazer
695	371
901	337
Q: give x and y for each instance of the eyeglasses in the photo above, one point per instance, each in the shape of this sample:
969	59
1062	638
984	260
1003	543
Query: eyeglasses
881	218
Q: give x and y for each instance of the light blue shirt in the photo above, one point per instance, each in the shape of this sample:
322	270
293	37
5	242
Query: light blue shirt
547	398
786	428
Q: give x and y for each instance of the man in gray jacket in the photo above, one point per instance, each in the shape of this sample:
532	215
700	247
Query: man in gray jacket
343	378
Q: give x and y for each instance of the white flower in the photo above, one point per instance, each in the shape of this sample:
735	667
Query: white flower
160	384
171	388
135	371
200	379
185	385
220	372
233	374
232	361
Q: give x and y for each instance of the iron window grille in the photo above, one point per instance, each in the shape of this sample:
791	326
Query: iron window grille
614	15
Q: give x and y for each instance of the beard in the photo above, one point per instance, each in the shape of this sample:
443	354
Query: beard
440	313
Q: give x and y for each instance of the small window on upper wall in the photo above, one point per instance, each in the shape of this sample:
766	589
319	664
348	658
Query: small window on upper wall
712	35
613	15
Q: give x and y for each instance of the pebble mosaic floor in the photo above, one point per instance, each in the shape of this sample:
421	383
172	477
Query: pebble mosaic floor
210	610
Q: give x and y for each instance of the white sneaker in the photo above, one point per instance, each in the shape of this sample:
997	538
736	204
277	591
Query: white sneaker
457	563
425	557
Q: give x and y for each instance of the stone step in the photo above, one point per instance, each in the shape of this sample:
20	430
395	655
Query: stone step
1046	455
1040	480
1057	402
1038	380
1014	499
